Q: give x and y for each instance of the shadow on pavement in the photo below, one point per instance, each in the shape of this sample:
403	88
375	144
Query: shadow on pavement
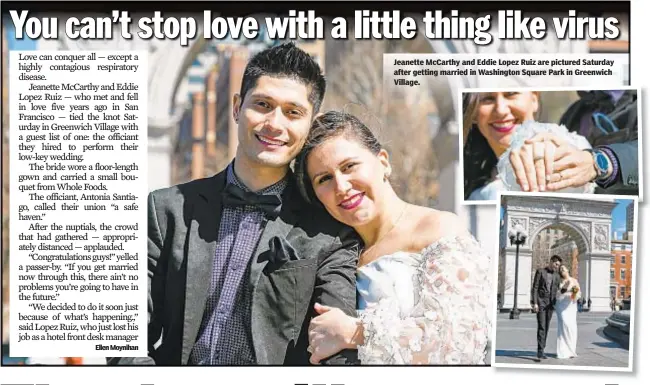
607	344
617	338
523	354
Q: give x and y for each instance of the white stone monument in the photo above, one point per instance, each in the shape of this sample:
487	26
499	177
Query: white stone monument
587	222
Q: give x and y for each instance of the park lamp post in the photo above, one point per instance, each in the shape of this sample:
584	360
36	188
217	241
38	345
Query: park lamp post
517	237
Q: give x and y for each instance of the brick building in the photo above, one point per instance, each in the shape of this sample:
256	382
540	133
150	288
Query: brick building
621	269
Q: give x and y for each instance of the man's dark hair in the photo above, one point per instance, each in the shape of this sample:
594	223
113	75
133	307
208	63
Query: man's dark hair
556	258
286	61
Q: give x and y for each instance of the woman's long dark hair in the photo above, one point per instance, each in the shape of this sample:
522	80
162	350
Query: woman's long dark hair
478	161
478	157
329	125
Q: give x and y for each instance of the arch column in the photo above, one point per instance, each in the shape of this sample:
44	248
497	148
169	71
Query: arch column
512	220
523	281
599	264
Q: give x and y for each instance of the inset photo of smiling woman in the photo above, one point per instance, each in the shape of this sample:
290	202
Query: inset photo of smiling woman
571	141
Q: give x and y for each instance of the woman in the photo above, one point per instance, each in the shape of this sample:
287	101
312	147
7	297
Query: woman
567	310
505	149
423	281
489	121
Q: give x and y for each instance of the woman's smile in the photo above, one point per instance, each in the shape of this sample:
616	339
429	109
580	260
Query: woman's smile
352	202
504	126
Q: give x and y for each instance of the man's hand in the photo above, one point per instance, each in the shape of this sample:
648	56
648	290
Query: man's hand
575	169
547	162
535	308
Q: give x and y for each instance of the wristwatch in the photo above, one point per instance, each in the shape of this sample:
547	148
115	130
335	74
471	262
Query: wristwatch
601	164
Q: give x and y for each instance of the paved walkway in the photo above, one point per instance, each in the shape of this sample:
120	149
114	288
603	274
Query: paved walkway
516	342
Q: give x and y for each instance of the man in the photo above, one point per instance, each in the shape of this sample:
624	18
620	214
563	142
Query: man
236	261
609	120
543	294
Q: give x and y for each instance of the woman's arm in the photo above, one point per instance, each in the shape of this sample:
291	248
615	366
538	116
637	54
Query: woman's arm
331	332
449	324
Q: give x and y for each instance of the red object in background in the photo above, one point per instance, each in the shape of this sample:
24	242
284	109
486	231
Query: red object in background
74	361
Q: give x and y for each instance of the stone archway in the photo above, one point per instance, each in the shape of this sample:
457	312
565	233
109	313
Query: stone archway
587	222
567	240
557	239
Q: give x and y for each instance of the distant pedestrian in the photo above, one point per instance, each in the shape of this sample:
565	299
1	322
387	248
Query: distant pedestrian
580	304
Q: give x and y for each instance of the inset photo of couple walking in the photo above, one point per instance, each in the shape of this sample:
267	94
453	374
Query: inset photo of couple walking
566	268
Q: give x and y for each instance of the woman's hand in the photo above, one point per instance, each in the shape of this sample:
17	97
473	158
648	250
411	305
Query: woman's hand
331	332
533	162
563	165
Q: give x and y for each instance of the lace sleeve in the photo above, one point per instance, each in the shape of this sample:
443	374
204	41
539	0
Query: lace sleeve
450	323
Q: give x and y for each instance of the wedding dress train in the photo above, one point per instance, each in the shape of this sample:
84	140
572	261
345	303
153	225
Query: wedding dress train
431	307
567	324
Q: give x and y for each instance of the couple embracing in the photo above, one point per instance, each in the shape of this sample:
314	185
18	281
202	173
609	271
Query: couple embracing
554	289
262	265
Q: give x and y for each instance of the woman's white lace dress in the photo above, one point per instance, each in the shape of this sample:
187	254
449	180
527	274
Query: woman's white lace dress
567	323
431	307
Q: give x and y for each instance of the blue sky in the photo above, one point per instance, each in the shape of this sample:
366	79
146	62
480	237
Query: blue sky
619	215
15	44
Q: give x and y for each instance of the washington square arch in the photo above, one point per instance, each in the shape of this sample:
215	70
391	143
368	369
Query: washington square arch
576	229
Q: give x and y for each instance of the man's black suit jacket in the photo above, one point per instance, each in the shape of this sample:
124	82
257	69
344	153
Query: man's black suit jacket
540	294
183	223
